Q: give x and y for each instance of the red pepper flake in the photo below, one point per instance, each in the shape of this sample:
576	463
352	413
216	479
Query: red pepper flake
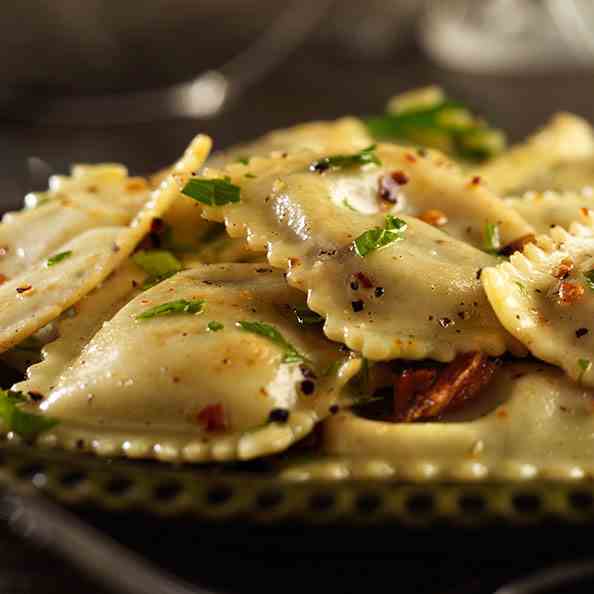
410	158
157	225
563	270
475	181
584	211
389	186
434	217
213	418
24	288
3	278
570	293
364	280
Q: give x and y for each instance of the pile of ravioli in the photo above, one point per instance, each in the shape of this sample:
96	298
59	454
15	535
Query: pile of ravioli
427	315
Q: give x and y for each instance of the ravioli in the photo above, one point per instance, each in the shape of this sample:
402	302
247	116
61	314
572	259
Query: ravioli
416	298
566	138
92	196
76	326
42	292
544	210
345	134
572	175
180	400
544	296
530	422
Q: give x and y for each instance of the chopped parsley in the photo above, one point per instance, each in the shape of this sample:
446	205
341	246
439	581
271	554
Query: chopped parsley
440	123
193	306
290	355
158	264
363	157
346	204
23	423
243	160
491	238
214	326
306	317
213	192
58	258
522	287
589	276
377	237
584	365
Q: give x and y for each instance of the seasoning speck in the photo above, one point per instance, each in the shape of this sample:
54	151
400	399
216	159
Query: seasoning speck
279	415
581	332
357	306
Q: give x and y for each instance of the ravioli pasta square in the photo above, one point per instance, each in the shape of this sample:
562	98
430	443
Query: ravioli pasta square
417	298
39	294
180	400
544	296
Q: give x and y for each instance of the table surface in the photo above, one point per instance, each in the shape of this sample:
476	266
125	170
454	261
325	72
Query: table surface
313	84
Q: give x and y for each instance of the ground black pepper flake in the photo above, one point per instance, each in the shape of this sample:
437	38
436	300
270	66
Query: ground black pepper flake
581	332
279	415
260	270
115	247
379	292
478	273
354	285
358	305
36	396
445	322
334	409
308	372
308	387
23	289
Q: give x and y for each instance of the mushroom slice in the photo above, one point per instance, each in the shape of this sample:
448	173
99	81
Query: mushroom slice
428	392
544	296
210	364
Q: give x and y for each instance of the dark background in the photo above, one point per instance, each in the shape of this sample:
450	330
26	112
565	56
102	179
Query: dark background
325	78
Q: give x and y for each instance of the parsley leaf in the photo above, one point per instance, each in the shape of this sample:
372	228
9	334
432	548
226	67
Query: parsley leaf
194	306
377	237
213	192
585	366
359	159
158	264
58	258
443	124
214	326
306	317
492	241
291	354
589	276
243	160
23	423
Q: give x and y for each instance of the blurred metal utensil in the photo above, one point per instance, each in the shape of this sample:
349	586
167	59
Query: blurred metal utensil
203	97
34	517
551	579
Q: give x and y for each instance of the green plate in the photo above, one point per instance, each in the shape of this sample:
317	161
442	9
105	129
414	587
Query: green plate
252	492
